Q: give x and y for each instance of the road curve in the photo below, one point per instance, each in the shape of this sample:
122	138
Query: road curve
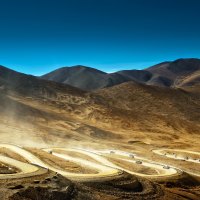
26	170
162	152
161	169
104	173
104	167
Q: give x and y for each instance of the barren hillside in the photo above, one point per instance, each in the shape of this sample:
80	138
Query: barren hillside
56	110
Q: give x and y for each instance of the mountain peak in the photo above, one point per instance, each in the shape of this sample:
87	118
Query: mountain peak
165	74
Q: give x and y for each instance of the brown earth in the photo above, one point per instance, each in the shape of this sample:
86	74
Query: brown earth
36	113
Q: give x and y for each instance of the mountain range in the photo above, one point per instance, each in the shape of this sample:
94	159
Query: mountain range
143	108
175	74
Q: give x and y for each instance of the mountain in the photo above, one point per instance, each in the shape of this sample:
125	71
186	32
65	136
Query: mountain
78	76
38	110
12	81
152	109
132	116
49	111
89	79
179	73
136	75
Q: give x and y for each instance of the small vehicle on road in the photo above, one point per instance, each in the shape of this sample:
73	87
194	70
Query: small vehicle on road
166	167
50	151
131	155
138	162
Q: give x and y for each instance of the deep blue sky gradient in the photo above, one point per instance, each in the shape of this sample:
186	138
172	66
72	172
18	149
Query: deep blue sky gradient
37	36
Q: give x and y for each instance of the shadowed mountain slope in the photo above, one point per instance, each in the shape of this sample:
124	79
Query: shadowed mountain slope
88	79
13	81
78	76
179	73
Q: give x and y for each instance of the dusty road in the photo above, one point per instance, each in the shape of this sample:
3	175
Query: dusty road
178	157
99	161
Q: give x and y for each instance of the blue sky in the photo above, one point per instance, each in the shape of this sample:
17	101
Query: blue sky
37	36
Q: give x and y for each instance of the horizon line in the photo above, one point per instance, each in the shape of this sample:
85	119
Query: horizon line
97	68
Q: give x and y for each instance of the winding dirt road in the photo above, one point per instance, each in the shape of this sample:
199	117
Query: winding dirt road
105	168
104	172
173	155
160	168
164	152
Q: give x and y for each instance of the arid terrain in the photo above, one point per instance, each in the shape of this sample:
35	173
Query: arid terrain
129	140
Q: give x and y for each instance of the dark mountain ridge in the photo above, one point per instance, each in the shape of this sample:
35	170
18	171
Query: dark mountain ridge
12	81
178	73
